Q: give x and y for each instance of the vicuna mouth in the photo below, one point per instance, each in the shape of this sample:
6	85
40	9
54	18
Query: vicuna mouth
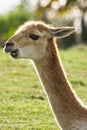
14	53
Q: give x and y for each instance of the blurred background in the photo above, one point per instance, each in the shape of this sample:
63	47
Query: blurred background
56	12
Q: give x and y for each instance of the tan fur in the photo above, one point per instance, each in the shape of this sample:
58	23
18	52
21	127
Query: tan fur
69	112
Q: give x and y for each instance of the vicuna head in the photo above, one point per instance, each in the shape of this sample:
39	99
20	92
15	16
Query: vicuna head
31	39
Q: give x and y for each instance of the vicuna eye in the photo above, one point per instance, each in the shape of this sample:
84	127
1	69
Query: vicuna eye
34	36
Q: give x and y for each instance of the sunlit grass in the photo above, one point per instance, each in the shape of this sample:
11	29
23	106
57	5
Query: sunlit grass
23	104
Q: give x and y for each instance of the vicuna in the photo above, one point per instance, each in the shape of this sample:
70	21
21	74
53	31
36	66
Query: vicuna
35	40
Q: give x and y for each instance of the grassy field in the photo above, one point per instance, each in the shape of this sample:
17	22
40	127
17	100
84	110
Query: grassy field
23	104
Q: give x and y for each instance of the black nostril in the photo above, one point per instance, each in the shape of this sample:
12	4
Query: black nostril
8	47
9	44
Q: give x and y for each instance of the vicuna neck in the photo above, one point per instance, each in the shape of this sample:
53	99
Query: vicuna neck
63	100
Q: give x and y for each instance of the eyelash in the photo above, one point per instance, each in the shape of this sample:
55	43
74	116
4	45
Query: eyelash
34	36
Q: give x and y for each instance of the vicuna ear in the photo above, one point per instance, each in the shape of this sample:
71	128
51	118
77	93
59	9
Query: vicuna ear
62	31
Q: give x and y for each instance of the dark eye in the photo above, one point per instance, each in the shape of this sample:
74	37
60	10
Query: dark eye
34	36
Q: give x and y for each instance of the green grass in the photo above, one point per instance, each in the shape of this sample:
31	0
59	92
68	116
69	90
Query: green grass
23	104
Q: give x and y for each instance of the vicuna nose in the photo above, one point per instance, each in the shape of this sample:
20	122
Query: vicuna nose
9	44
8	47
